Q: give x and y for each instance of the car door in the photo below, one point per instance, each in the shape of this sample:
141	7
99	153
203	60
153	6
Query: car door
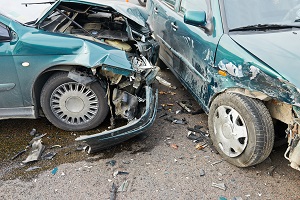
162	12
193	50
10	95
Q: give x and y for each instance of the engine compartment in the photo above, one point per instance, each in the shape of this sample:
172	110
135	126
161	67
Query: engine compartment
103	25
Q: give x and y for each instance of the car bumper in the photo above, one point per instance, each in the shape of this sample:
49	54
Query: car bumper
109	138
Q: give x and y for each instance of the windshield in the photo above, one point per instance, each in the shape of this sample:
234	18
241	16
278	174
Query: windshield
19	12
241	13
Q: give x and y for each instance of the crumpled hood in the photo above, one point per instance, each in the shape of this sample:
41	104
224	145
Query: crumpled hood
279	50
129	10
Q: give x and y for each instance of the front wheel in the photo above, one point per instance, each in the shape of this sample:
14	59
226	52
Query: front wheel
73	106
241	129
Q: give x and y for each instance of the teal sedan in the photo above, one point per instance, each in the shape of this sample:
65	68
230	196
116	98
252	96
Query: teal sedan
240	60
75	62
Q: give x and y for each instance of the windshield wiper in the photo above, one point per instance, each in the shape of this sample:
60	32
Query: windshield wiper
264	27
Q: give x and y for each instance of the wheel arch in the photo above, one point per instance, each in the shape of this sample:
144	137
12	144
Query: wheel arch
278	110
42	79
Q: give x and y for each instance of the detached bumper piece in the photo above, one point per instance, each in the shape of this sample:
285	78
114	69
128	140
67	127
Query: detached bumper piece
99	141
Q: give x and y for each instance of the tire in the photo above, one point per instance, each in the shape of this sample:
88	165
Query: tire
143	2
71	106
241	129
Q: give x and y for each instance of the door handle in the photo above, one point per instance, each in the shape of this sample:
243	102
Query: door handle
174	27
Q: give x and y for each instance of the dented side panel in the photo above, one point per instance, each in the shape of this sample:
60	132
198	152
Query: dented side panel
244	70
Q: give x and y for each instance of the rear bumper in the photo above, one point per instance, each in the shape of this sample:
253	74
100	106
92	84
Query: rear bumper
109	138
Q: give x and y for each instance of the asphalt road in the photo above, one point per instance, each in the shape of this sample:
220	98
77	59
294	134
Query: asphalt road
161	163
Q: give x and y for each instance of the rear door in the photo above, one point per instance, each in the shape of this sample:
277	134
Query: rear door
10	95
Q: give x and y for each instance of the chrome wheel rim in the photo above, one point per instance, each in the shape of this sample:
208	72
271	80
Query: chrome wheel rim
74	104
230	131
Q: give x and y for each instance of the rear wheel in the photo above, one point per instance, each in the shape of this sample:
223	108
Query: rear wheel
72	106
241	129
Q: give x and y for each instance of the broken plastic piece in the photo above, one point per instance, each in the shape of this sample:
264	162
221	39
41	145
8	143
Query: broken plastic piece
202	172
36	152
270	170
113	192
222	198
37	138
217	162
192	136
174	146
54	171
200	146
221	186
165	83
32	168
18	154
123	187
33	132
111	162
120	173
184	106
176	121
56	146
48	156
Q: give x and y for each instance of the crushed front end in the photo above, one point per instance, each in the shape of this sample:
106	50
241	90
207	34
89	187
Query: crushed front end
119	52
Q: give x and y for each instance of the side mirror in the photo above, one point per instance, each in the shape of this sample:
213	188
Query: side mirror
195	18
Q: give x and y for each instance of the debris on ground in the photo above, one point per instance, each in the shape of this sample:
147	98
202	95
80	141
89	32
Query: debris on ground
37	138
54	171
163	115
217	162
113	192
32	168
18	154
222	198
120	173
184	106
111	163
165	83
33	132
48	156
36	152
192	136
125	162
270	170
202	172
81	147
204	136
55	146
123	187
174	146
201	146
169	92
174	120
221	186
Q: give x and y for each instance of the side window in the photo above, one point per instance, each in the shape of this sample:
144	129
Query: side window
192	5
4	33
170	2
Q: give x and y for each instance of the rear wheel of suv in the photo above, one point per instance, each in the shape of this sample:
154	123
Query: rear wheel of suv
72	106
241	129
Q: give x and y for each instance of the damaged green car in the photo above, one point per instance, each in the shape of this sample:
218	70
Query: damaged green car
76	63
240	60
